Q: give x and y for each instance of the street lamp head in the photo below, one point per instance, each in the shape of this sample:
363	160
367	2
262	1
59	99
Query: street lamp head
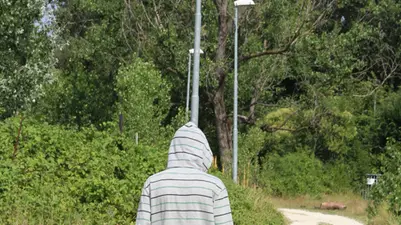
192	51
243	3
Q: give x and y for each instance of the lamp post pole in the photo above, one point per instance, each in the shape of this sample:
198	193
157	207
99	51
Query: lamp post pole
188	85
195	83
237	4
235	131
191	52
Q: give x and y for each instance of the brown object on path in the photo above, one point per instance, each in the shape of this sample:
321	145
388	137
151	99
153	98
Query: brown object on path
332	206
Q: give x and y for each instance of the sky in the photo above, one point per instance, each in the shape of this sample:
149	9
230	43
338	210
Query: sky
48	15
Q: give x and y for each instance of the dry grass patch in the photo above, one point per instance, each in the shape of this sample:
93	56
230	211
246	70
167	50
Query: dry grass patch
356	205
383	217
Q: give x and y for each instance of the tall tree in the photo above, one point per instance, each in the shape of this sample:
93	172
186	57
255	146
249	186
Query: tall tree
26	54
165	28
84	92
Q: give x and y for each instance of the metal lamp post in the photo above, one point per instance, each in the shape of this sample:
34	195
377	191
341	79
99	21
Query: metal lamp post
195	83
235	130
191	52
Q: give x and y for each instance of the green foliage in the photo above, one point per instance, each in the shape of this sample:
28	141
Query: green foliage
144	100
338	130
331	154
320	112
336	87
293	174
84	90
26	55
250	206
338	177
388	191
64	176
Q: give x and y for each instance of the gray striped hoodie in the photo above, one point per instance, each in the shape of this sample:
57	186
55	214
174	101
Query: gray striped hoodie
184	194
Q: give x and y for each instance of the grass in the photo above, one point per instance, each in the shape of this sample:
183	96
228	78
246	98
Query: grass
251	206
384	218
356	207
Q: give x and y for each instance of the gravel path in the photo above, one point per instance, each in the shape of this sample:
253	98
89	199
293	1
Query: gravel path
301	217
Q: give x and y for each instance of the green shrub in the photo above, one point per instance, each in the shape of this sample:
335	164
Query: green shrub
388	190
293	174
63	176
338	177
143	100
250	206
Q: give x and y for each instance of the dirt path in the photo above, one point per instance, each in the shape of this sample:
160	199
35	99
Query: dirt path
301	217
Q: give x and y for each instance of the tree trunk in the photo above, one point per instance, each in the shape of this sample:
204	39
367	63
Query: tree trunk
223	128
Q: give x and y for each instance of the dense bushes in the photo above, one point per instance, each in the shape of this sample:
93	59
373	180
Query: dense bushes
293	174
64	176
300	151
61	176
300	173
388	190
250	206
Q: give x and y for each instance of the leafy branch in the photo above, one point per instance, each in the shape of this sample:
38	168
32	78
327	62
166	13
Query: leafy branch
297	34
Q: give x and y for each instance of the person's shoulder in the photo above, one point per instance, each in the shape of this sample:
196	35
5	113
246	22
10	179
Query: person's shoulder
195	174
168	173
156	175
216	180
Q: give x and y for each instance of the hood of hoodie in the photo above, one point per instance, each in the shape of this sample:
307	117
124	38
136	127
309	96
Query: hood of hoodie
190	149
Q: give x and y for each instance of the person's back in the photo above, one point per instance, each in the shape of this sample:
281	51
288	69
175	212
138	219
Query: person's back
184	194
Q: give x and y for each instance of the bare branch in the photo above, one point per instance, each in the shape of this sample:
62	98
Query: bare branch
389	65
125	36
245	119
291	42
259	87
16	144
281	127
147	16
265	104
172	70
271	52
274	129
157	17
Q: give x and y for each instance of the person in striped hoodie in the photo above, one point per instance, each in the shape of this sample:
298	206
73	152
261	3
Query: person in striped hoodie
184	194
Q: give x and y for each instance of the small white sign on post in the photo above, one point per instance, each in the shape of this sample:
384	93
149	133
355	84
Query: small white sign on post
371	181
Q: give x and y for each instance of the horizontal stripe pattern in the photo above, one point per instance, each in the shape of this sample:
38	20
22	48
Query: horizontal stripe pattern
179	203
222	210
175	220
181	210
186	180
190	148
186	187
143	216
188	173
184	194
